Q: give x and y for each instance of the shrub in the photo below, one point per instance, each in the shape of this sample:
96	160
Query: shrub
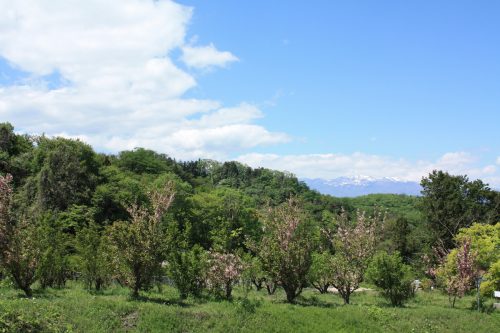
187	268
392	277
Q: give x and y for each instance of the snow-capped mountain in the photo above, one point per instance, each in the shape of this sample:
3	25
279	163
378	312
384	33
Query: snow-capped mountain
362	185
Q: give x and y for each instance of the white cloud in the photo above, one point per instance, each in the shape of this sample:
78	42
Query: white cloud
329	166
498	160
206	56
123	89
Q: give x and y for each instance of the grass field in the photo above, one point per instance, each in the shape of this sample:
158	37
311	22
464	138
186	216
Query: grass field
75	310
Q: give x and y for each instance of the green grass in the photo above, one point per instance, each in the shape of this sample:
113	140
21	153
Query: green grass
75	310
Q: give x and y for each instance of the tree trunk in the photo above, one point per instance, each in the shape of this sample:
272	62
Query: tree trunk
271	288
135	292
345	296
291	293
229	289
257	284
27	290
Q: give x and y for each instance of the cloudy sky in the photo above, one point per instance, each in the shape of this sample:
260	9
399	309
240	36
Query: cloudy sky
319	88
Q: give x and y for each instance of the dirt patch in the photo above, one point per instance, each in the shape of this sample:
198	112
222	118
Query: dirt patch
129	322
335	291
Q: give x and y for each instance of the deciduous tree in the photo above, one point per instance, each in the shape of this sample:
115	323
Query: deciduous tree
19	248
286	246
354	245
139	245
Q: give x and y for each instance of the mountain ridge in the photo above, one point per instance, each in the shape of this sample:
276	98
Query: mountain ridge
362	185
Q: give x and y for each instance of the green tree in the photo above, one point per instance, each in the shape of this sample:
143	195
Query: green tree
223	219
485	243
398	234
254	272
392	277
188	268
93	257
320	273
14	151
142	161
453	202
54	266
66	173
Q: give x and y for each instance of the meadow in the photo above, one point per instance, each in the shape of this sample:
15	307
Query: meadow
73	309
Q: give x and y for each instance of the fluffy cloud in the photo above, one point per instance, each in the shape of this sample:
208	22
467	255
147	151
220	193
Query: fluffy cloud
329	166
206	56
121	88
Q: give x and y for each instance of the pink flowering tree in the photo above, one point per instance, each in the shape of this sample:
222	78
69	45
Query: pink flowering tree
138	246
19	250
458	272
223	273
286	246
354	245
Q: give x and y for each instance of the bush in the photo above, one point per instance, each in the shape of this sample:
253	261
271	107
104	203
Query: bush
392	277
188	269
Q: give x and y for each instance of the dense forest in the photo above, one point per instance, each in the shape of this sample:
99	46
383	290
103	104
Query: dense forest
139	218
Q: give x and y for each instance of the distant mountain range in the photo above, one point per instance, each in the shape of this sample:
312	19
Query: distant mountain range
362	185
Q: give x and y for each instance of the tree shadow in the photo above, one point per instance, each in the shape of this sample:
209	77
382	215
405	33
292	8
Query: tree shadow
314	301
162	301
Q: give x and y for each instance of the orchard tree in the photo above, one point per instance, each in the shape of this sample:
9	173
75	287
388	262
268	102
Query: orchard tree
139	245
320	274
254	272
19	250
286	246
354	245
93	257
458	272
224	271
54	267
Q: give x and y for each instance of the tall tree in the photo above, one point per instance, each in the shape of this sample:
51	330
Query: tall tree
453	202
139	245
286	247
66	173
19	249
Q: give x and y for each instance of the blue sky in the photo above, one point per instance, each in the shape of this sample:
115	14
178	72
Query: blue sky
319	88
